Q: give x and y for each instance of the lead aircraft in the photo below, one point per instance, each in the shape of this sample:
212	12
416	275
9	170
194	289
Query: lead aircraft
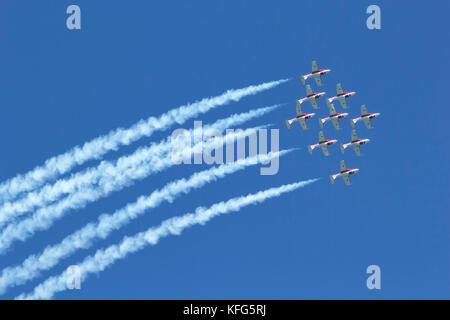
344	173
316	74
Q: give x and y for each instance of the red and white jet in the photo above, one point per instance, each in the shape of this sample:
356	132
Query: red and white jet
316	73
344	173
334	116
301	117
323	143
365	116
341	96
311	97
355	143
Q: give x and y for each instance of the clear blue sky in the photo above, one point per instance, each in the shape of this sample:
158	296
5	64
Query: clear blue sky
134	59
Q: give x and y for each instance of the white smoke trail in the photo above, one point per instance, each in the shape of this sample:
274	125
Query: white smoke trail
43	218
173	226
83	238
98	147
107	170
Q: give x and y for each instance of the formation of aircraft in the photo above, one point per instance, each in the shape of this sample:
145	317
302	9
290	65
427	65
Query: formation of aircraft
355	143
365	116
323	143
344	173
301	117
311	97
341	96
316	73
334	116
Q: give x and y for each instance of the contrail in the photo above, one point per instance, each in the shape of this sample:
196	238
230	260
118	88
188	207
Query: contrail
102	173
83	238
99	146
43	218
173	226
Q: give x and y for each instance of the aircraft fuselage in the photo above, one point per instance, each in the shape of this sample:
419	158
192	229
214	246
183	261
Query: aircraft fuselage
358	142
320	72
338	115
347	171
327	142
370	115
305	116
315	95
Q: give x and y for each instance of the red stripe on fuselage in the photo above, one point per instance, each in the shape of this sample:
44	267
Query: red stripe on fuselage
302	115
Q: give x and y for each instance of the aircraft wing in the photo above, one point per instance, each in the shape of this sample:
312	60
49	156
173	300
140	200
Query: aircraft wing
321	136
314	66
303	123
318	79
335	123
343	102
343	166
331	107
339	89
299	108
367	123
346	179
308	90
325	149
363	110
354	135
314	103
357	149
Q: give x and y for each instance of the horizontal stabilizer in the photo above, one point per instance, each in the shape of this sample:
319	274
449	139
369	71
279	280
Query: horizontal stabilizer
321	123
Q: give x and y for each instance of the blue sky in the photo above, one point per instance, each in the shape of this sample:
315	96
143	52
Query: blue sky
132	60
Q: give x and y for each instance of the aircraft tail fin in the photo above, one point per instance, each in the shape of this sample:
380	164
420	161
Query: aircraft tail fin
332	179
288	124
342	148
303	79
